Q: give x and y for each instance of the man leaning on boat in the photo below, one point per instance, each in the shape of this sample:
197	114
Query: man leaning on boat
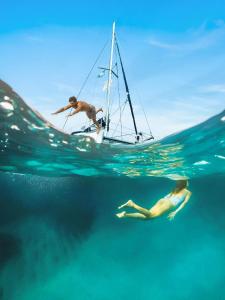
81	106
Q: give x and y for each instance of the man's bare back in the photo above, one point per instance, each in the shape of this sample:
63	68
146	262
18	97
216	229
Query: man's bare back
81	106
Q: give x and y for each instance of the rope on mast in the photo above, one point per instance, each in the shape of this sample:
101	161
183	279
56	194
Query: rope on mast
86	78
146	119
118	90
127	89
121	111
110	78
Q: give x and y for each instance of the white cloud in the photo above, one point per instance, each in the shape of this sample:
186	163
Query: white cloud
64	87
213	88
219	23
34	38
176	93
192	40
160	44
195	45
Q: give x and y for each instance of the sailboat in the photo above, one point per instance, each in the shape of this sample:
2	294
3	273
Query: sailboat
119	134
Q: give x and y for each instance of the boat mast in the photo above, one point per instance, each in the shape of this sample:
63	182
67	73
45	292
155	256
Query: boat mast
110	77
127	91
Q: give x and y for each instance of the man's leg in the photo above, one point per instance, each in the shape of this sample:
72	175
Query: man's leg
98	110
96	124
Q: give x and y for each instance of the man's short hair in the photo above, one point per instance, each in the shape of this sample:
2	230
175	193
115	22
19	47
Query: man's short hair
72	99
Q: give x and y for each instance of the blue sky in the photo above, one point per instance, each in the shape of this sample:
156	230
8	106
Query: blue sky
174	54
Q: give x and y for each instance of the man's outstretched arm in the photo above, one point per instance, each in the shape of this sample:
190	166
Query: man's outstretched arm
77	110
62	109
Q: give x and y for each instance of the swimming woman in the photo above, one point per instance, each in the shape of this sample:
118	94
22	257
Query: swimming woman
174	201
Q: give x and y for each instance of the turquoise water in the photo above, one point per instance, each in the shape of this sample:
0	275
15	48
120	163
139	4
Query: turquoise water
59	238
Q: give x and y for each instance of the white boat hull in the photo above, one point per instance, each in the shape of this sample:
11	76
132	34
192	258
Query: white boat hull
97	137
100	138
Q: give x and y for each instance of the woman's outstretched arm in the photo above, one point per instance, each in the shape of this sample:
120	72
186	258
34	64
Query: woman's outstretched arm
173	213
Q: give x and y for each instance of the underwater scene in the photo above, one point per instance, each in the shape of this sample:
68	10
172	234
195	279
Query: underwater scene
59	235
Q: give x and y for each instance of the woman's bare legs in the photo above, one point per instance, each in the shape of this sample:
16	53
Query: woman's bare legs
130	203
124	214
157	210
144	213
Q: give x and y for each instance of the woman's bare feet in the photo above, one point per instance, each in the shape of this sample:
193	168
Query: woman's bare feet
121	215
129	203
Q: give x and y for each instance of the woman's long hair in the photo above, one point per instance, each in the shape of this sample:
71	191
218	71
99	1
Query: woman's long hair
180	185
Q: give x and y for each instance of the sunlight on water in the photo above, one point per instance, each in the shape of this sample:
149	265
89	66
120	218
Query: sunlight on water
190	153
